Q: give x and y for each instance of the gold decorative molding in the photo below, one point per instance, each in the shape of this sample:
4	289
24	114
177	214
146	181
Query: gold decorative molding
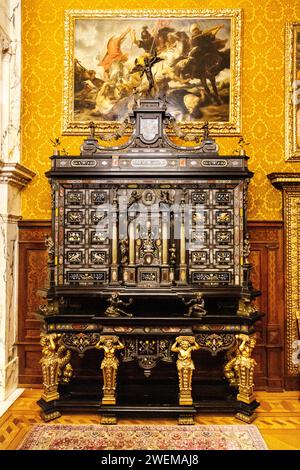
290	184
15	174
231	127
292	147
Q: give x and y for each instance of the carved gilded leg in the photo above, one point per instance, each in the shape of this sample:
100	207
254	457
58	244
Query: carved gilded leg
109	367
239	370
185	385
184	346
55	368
50	381
50	363
246	384
109	387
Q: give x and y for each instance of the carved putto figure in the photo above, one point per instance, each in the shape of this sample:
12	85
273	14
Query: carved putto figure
166	197
50	248
196	306
172	254
135	196
124	250
184	346
114	310
246	250
109	367
109	344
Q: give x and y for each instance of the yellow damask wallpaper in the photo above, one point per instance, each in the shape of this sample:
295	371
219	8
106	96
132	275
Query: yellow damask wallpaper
262	91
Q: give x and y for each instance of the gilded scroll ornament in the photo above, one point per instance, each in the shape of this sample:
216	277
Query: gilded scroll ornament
246	308
109	366
124	250
184	346
55	364
239	369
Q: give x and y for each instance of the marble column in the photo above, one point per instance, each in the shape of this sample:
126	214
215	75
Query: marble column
13	178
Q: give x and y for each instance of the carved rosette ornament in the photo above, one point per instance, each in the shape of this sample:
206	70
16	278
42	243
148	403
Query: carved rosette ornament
109	367
56	367
240	368
184	346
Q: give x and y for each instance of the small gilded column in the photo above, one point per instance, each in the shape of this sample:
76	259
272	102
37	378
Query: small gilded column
109	367
131	242
114	242
165	252
184	346
182	254
165	232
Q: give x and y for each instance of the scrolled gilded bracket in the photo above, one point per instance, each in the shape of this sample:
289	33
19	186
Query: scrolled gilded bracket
52	307
109	366
184	346
56	367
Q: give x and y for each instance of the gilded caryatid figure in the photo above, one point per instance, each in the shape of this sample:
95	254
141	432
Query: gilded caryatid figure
184	346
55	364
109	366
240	368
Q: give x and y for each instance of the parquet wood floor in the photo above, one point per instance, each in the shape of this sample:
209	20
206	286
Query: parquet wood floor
278	419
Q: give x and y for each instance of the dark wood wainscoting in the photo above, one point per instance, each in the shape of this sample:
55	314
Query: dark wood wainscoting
267	276
32	277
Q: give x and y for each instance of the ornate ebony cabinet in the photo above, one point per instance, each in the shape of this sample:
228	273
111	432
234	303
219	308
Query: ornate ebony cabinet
149	283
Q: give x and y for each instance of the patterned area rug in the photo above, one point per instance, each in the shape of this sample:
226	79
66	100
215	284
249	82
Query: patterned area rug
128	437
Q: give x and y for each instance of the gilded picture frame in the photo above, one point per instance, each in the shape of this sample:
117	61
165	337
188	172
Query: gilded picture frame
292	92
195	47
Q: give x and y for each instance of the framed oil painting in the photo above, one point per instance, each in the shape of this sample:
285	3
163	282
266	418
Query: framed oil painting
197	70
292	92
